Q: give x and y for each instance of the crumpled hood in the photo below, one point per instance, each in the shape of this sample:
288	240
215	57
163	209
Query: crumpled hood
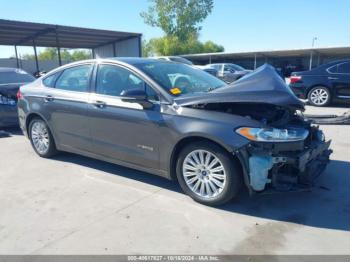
263	86
10	90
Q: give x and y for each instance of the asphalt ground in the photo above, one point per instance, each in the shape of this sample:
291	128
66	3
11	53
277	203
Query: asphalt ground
76	205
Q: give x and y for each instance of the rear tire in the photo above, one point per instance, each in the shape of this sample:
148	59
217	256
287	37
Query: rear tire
41	138
319	96
205	182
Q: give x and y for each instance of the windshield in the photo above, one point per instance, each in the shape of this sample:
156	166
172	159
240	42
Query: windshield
18	76
179	79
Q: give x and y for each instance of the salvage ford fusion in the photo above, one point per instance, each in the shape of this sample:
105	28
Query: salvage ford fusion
179	122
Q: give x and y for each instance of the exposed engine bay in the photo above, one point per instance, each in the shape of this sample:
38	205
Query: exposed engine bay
268	114
286	151
278	166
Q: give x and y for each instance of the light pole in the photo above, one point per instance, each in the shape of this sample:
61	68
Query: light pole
313	43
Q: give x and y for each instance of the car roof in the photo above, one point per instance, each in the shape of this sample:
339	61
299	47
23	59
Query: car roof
337	62
327	65
138	60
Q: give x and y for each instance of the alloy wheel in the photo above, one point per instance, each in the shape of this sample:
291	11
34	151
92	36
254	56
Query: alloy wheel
204	173
319	96
40	137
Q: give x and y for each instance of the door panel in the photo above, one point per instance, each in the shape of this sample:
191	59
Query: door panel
66	103
341	80
68	118
122	130
125	131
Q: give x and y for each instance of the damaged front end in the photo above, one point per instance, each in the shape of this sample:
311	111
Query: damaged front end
284	151
285	166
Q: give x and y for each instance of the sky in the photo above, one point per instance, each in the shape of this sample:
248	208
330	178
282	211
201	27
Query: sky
238	25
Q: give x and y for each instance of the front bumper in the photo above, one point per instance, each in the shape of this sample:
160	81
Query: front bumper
277	167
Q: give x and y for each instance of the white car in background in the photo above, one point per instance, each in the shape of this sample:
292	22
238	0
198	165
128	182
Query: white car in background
182	60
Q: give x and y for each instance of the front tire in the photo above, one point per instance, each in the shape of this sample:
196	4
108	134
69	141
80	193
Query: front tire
319	96
41	138
208	174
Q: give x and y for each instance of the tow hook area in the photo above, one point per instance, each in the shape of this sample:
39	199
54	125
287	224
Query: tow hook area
259	167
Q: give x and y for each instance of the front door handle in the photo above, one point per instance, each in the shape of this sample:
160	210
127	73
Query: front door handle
99	104
48	98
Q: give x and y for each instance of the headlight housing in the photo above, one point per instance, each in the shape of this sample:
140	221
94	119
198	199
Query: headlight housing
273	134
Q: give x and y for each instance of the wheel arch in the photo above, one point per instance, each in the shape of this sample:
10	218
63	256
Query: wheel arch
328	88
320	85
191	139
30	117
33	115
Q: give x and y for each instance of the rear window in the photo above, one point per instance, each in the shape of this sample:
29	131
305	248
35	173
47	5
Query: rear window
51	79
333	69
344	68
18	76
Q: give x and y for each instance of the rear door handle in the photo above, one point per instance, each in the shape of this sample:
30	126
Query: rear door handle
48	98
332	78
99	104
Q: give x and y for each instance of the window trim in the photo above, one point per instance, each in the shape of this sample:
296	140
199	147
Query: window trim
94	84
61	70
88	89
54	84
336	65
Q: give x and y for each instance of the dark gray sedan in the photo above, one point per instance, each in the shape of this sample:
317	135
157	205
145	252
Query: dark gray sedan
178	122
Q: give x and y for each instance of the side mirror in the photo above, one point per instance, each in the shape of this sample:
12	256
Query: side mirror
136	96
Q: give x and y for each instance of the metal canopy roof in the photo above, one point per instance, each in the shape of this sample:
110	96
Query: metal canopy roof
338	51
48	35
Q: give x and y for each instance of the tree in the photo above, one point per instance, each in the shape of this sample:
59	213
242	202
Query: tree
51	53
171	45
180	21
178	17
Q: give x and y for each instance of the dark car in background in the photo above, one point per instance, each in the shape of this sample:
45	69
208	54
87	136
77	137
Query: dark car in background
229	72
178	122
324	84
10	81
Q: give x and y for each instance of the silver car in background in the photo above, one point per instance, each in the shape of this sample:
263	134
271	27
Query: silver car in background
229	72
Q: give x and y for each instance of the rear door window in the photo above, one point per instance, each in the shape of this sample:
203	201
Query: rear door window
75	79
51	79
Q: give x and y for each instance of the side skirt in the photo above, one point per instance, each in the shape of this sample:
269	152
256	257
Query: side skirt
161	173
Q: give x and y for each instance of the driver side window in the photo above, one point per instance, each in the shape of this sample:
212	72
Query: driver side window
113	80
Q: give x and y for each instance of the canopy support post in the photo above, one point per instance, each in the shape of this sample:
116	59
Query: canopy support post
58	48
114	49
254	61
36	56
17	62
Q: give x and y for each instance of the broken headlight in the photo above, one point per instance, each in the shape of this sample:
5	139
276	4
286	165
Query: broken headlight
273	134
